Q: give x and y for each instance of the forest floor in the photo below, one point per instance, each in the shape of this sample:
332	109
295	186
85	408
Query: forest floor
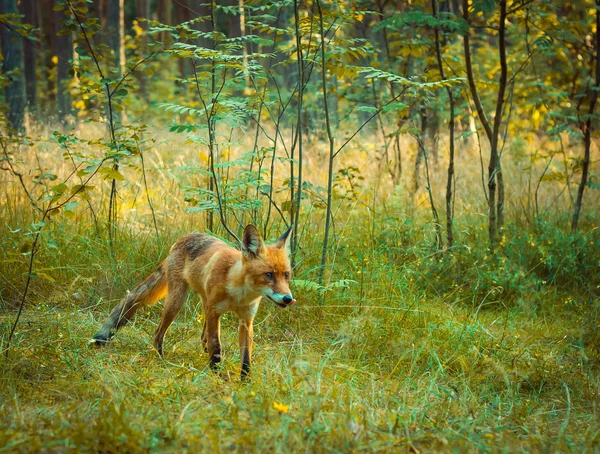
380	366
404	349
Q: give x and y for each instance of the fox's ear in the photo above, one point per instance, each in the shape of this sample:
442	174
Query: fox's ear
283	242
252	243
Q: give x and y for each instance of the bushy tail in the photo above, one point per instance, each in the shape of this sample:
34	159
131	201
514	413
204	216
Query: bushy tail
147	293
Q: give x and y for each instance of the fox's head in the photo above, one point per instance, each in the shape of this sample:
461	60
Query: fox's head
268	266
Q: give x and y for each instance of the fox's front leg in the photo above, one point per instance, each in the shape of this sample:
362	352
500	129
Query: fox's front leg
213	338
246	334
204	337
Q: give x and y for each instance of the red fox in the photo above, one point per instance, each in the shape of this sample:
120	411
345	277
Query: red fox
227	280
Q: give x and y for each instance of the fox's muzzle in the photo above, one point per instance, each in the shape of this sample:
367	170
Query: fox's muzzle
281	300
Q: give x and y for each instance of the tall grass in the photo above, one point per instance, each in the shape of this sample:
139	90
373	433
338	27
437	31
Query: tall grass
403	348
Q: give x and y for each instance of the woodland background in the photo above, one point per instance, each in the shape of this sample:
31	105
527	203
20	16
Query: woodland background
437	160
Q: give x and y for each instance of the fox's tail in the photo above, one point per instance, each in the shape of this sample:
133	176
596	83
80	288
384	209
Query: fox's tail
147	293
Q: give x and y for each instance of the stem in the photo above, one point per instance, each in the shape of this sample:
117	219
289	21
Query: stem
449	216
587	133
147	193
436	218
296	208
331	147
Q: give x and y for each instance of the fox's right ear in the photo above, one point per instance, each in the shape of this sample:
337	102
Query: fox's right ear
252	244
283	242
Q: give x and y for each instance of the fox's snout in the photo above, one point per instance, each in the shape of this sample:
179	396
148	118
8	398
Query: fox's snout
288	299
281	300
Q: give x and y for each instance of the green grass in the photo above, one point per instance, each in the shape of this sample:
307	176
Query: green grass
385	364
408	350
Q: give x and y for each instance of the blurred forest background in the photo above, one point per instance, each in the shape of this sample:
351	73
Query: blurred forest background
437	160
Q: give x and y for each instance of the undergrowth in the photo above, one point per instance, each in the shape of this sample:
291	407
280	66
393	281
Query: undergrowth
402	348
415	351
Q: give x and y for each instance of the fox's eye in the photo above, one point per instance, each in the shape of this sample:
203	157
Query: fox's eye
287	275
270	276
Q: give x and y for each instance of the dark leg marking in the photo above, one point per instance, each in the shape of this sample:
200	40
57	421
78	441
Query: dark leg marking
215	357
246	366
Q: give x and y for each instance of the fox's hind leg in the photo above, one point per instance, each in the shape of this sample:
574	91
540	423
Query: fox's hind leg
145	294
178	291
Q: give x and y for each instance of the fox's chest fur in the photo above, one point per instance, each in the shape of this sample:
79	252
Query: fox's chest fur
218	275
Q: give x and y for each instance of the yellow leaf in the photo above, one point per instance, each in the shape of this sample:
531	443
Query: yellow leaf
54	60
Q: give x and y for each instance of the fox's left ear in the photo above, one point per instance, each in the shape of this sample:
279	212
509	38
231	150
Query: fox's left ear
283	242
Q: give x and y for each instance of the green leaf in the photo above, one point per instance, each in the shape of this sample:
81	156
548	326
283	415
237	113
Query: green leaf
59	189
71	205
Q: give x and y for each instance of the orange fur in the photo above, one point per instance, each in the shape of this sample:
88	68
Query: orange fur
225	279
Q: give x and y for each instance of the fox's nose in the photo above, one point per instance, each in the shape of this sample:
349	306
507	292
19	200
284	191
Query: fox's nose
287	299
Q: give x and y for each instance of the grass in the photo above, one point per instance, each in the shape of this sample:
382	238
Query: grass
465	352
436	377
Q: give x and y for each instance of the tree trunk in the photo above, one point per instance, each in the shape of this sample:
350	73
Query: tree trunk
420	148
234	23
142	11
331	147
205	26
299	131
47	45
587	128
64	52
450	180
495	179
181	14
495	152
12	51
115	39
164	16
29	11
115	32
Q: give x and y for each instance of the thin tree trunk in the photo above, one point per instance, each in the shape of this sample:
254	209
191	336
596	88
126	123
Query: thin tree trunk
12	51
496	209
397	149
587	133
29	11
211	125
449	181
115	33
420	148
498	117
243	33
114	40
434	213
234	23
142	11
164	16
331	147
296	209
64	52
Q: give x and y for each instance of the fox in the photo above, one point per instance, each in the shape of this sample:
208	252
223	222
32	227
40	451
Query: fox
226	280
